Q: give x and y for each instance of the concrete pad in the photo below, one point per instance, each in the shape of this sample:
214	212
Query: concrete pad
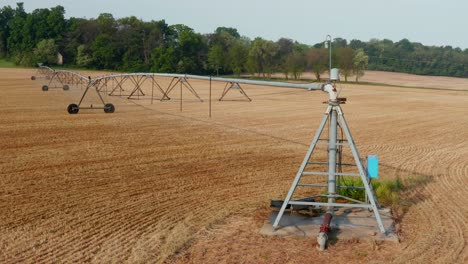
346	224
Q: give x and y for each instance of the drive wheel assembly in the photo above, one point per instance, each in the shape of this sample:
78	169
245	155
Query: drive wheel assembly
109	108
73	109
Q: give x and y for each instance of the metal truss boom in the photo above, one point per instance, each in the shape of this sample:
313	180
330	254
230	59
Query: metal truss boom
309	86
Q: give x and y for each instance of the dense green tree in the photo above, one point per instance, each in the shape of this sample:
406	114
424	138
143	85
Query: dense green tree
56	23
132	61
46	52
261	55
83	58
283	57
35	28
190	50
16	25
164	59
27	30
317	61
345	57
6	14
84	31
405	46
106	24
339	43
219	45
296	63
231	31
361	61
285	46
103	51
356	44
216	58
154	33
70	41
238	55
130	44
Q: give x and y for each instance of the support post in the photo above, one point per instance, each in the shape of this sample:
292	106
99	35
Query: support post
363	175
152	88
210	96
332	159
181	96
301	169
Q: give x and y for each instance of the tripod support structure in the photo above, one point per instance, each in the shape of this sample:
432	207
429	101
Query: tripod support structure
334	116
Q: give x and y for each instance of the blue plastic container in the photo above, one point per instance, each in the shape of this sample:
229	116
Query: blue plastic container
373	166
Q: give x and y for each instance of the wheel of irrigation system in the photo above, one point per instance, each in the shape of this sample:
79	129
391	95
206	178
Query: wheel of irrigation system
66	87
109	108
45	88
33	78
73	109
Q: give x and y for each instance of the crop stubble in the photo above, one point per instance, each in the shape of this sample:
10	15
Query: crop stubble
138	184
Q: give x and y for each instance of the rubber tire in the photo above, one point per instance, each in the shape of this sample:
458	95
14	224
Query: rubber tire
73	109
45	88
33	78
66	87
109	108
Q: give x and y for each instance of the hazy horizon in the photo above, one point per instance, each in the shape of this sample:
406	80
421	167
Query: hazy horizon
430	22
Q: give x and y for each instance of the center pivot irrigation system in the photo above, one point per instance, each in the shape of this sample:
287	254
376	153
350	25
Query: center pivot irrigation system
335	118
113	85
116	85
331	169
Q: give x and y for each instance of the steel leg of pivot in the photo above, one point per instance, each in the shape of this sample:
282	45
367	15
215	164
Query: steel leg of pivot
231	85
335	115
361	171
301	169
170	87
191	89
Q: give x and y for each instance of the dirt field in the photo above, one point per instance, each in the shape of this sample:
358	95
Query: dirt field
149	181
402	79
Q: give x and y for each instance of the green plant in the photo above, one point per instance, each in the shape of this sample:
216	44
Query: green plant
387	190
357	194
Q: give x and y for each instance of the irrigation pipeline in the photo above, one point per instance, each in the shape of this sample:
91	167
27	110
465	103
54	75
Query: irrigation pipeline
139	78
68	77
309	86
325	229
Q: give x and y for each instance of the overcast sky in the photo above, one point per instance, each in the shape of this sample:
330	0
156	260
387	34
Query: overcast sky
431	22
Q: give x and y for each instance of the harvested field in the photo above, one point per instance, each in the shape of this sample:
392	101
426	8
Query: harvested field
149	181
402	79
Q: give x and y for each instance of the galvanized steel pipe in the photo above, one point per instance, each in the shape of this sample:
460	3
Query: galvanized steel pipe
309	86
332	150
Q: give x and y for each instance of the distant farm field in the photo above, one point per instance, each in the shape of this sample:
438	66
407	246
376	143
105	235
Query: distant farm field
151	183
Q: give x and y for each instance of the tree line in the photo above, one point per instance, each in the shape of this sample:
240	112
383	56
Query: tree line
132	45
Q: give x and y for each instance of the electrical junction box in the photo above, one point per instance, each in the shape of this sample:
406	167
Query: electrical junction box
373	166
